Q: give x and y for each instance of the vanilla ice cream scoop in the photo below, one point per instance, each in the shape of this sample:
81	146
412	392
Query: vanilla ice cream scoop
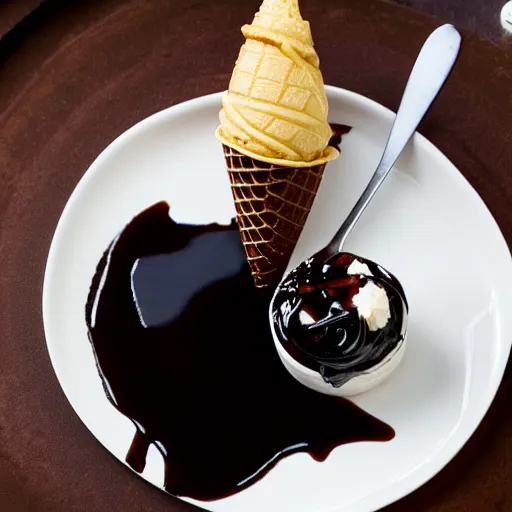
275	109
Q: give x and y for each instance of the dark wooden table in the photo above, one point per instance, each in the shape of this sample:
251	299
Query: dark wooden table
76	74
479	16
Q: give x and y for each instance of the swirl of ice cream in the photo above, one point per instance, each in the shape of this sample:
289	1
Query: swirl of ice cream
275	109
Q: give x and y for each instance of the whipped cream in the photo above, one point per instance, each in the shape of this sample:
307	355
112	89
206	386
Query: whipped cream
358	268
373	305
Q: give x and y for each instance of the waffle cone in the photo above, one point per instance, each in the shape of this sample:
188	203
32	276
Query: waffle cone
272	204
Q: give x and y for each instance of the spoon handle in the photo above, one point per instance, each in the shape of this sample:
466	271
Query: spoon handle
428	75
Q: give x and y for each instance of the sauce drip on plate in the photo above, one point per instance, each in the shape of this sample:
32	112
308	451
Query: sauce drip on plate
183	346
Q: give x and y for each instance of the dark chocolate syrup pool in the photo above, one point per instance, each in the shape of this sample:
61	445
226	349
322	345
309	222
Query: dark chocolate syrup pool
183	346
318	323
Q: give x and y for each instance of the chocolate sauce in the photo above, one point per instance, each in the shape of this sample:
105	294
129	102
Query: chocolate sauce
338	130
183	346
319	325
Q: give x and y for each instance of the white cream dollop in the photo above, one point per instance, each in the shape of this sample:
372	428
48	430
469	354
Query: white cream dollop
305	318
358	268
373	305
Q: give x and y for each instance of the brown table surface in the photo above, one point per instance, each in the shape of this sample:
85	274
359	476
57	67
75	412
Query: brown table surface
76	74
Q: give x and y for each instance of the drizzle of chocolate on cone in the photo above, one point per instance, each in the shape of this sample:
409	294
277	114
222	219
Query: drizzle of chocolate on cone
272	204
338	130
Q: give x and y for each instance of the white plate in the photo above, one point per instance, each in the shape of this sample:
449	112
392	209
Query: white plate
426	225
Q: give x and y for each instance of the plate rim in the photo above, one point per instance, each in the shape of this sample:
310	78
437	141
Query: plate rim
379	498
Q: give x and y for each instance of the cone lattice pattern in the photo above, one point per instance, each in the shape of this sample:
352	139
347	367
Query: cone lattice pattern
272	204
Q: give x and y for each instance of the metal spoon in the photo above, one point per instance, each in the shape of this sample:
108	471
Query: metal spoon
429	74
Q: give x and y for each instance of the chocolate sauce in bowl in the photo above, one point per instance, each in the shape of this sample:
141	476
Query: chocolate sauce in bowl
183	346
319	325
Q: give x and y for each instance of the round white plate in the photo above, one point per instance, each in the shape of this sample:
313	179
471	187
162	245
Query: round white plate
426	225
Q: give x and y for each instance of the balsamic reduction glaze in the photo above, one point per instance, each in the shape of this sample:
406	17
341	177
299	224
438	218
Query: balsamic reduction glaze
321	328
184	349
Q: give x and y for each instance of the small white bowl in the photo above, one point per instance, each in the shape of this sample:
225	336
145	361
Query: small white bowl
313	380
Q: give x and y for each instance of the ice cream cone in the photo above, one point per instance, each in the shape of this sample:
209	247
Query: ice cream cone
275	134
272	204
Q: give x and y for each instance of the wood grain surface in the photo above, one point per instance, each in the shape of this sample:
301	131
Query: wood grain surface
74	75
